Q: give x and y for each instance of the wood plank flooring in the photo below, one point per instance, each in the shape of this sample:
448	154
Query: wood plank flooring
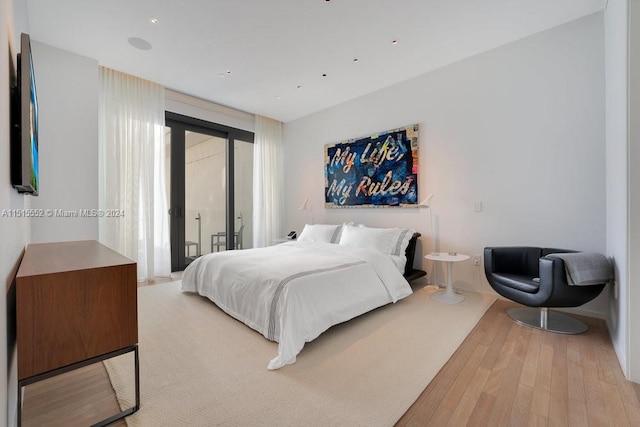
503	374
78	398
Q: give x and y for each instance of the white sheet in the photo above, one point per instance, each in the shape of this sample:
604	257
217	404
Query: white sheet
294	291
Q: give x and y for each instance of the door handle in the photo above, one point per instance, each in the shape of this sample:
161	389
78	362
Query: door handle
175	211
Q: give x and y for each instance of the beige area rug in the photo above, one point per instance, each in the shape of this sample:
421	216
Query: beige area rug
199	366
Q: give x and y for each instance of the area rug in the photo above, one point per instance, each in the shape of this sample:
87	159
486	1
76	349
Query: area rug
199	366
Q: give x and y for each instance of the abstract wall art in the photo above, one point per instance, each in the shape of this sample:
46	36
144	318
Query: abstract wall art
379	170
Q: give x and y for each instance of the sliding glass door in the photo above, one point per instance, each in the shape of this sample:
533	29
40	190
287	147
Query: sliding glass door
211	188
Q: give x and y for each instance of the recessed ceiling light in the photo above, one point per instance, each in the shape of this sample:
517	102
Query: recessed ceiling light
154	20
299	87
139	43
355	59
228	72
394	42
324	74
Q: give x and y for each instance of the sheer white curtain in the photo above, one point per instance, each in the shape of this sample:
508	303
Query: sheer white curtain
267	182
132	172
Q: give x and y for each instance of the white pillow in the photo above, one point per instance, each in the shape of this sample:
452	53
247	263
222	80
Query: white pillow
323	233
390	241
337	240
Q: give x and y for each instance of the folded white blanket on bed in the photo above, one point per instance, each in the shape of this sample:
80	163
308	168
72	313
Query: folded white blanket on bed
294	291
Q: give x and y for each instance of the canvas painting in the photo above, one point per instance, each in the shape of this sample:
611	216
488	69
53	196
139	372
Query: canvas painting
379	170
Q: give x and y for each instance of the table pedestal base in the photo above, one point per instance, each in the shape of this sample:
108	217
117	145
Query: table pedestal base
447	297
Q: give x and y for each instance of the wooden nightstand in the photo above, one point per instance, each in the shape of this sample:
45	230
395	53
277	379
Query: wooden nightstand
76	304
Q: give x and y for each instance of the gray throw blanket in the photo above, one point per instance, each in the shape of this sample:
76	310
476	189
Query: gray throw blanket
586	268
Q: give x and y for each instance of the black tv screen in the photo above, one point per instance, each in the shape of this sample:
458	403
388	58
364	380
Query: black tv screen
25	175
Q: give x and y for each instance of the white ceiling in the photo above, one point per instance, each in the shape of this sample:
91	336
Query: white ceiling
273	46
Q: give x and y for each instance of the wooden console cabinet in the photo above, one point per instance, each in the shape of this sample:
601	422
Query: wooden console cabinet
76	303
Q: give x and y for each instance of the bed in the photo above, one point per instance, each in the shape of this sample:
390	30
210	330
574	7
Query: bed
292	292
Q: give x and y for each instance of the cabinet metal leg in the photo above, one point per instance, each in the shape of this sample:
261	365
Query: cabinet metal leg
34	379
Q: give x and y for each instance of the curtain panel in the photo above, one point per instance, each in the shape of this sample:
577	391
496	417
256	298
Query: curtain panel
132	172
268	182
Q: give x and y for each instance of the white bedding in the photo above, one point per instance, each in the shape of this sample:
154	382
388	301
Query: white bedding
294	291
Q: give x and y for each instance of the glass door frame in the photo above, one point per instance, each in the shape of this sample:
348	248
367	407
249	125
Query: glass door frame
179	125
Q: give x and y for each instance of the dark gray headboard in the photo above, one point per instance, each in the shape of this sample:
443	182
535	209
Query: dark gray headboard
411	273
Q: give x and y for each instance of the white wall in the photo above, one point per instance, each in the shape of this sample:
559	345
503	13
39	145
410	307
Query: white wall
615	16
633	301
14	232
67	86
520	128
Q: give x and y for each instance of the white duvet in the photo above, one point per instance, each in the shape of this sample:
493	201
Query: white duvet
294	291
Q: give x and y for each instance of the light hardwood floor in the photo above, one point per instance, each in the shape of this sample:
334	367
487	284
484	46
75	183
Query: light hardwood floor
78	398
503	374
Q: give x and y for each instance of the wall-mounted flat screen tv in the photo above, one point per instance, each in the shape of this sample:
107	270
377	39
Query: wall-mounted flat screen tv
25	175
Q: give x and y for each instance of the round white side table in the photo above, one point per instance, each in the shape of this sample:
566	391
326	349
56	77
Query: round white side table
449	296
